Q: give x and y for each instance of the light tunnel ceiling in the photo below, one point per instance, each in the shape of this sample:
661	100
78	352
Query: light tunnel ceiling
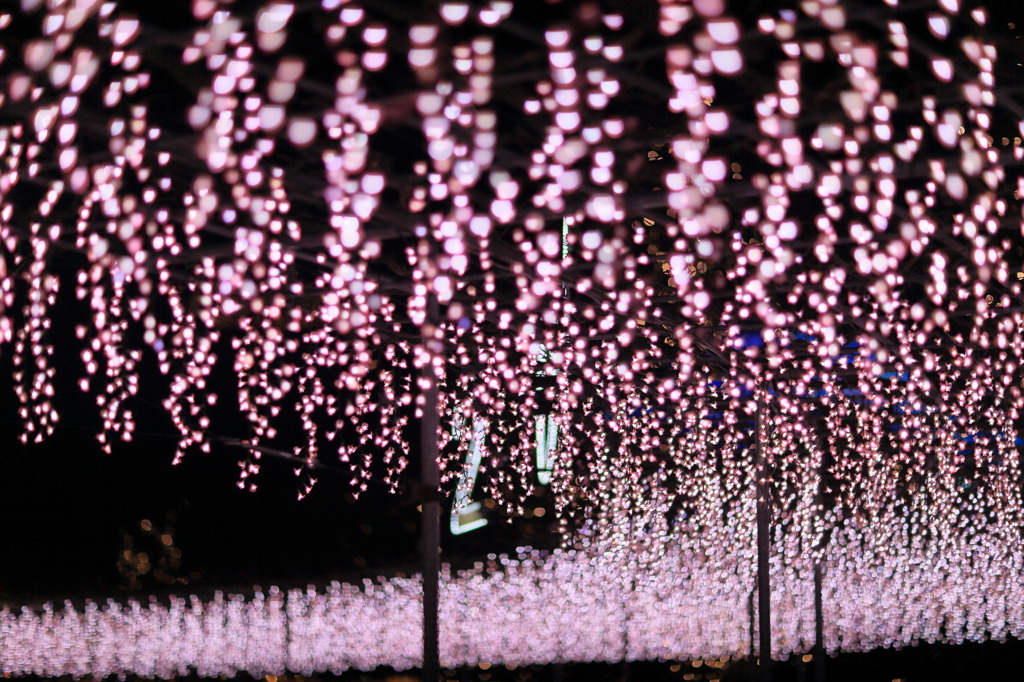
625	222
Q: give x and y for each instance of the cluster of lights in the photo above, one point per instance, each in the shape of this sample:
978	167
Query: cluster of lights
216	254
620	305
675	600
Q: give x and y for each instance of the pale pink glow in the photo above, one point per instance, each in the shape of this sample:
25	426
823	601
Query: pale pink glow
684	600
634	286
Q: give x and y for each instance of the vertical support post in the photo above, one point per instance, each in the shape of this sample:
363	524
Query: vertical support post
819	627
430	524
819	569
764	594
753	655
627	672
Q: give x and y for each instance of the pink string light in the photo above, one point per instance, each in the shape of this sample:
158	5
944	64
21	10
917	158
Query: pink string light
849	248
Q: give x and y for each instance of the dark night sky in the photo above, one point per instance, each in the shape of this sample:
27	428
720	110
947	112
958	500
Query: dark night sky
65	508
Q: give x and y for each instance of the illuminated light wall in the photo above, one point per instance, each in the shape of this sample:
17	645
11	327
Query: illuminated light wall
650	578
569	606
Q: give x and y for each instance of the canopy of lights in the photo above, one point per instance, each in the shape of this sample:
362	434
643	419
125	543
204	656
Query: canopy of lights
626	240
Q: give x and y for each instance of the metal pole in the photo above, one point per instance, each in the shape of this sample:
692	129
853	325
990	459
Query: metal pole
430	525
764	594
627	672
753	654
819	570
819	627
